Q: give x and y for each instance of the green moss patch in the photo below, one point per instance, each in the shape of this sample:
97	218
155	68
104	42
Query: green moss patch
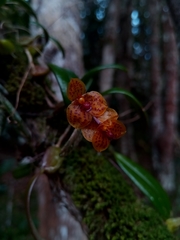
108	204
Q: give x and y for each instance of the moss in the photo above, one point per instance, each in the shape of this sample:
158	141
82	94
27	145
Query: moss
108	204
32	94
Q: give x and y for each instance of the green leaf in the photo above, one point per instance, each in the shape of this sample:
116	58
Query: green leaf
63	77
88	83
3	90
94	71
131	98
59	45
25	5
27	40
6	47
146	183
46	34
10	110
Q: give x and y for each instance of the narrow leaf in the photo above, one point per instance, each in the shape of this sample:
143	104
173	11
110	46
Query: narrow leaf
88	83
10	110
131	98
146	183
63	77
27	40
45	33
94	71
25	5
3	90
59	45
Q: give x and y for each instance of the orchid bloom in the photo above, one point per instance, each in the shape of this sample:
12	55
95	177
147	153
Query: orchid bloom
84	105
104	129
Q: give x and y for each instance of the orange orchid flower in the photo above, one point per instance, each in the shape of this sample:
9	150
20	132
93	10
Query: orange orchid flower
84	105
104	129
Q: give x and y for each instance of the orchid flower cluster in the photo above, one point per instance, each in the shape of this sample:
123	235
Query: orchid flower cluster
89	112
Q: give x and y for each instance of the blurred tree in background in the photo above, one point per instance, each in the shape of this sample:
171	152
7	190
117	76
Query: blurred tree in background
143	37
143	33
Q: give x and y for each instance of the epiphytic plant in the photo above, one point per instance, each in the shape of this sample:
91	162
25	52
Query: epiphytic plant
90	113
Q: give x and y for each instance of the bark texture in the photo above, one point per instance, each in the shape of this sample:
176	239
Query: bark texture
59	218
174	6
156	83
170	109
110	45
61	20
124	79
164	95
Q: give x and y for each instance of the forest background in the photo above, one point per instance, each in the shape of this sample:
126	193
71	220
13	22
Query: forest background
143	36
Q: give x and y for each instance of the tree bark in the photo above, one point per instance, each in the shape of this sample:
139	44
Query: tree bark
164	95
170	103
124	79
174	6
59	219
110	45
61	19
156	83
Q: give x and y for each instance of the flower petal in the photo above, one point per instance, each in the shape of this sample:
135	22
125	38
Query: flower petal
118	129
100	141
89	131
114	128
77	117
108	114
97	102
76	88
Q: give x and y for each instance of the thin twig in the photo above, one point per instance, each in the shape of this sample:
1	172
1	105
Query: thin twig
136	117
58	144
72	140
148	105
49	103
9	207
126	113
30	66
51	94
115	165
37	50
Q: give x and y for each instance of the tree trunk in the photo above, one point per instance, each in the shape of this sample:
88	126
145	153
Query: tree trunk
110	45
124	79
156	83
61	20
174	7
170	104
59	219
164	110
